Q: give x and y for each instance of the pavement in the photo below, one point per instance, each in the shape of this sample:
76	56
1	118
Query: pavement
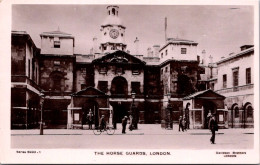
143	129
147	136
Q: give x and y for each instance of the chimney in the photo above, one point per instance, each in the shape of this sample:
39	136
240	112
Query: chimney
156	49
136	43
165	26
203	60
95	46
149	52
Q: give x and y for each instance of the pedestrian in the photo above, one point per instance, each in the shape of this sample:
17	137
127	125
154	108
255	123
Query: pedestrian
90	120
180	123
184	124
124	123
213	126
130	122
102	122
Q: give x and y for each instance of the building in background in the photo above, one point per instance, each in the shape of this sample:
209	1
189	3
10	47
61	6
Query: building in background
235	81
25	91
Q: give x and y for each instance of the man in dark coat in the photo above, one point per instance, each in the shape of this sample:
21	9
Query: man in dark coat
124	123
213	126
102	122
180	123
90	120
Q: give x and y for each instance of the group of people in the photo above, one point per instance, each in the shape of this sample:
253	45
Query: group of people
183	124
125	120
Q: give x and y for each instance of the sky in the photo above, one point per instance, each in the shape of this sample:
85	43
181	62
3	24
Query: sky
219	30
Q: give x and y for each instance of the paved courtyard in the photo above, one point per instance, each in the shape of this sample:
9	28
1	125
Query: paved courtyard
146	137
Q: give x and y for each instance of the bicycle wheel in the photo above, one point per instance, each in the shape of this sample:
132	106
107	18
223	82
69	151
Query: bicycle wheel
110	131
97	131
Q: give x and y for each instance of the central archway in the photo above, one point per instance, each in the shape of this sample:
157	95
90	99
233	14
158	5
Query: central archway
119	86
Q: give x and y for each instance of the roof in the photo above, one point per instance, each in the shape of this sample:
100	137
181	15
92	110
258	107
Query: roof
201	93
178	41
235	55
90	92
57	33
116	53
24	33
113	20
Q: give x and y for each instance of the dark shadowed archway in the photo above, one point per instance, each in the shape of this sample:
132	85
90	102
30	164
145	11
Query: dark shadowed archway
119	86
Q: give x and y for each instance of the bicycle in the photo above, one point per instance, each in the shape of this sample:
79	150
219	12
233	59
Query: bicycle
98	130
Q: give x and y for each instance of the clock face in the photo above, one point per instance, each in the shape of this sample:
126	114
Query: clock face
114	33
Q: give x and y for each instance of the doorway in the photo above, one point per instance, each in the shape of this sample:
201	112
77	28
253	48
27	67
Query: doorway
120	110
93	107
209	108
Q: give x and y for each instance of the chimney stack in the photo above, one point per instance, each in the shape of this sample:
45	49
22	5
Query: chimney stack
95	46
156	49
149	52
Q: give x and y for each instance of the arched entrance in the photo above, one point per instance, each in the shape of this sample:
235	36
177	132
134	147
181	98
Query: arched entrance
208	108
93	107
120	110
119	86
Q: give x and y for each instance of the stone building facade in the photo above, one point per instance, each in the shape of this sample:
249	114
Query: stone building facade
235	80
109	81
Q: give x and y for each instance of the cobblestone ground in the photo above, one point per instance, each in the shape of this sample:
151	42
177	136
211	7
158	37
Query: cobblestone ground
146	137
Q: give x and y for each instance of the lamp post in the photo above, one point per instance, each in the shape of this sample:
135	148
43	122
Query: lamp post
41	103
133	110
169	108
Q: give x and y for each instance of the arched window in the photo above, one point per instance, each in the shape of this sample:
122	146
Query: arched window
249	111
236	109
119	86
113	11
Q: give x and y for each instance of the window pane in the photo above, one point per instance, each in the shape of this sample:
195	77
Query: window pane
183	50
248	76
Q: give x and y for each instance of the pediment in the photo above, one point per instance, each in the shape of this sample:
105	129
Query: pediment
119	57
89	91
206	94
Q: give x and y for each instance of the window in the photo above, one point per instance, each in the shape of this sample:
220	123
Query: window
235	77
56	42
236	112
183	50
224	81
248	75
249	111
56	62
103	86
83	86
166	69
29	68
166	52
161	55
135	72
135	87
103	70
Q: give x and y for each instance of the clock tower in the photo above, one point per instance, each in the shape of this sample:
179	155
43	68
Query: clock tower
112	32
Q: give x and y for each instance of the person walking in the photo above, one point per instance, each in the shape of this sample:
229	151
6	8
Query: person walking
130	122
90	120
213	126
124	123
184	124
180	124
